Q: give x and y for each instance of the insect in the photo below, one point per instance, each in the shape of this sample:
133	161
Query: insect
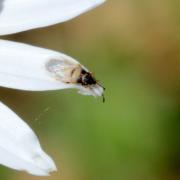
71	72
86	78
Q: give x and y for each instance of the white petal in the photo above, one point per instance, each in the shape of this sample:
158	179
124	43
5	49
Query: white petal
24	67
22	15
19	146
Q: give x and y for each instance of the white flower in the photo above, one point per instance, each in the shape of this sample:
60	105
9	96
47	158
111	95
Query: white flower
25	67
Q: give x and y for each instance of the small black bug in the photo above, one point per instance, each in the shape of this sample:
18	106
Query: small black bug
87	79
72	73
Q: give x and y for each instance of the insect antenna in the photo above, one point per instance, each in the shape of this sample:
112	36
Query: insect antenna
101	86
103	98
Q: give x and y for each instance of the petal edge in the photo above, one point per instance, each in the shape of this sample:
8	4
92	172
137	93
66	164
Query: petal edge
19	146
22	15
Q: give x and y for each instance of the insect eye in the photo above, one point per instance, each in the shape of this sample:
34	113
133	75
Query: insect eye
88	79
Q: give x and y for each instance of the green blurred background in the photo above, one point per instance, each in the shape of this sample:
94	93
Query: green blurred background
133	48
